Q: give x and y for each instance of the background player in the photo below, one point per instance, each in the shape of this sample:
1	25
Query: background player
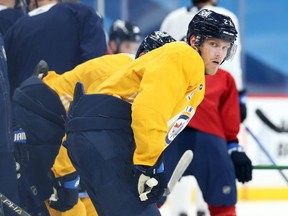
124	37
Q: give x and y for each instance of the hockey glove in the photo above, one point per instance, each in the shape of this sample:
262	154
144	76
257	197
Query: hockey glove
65	194
242	163
41	69
21	153
242	103
151	182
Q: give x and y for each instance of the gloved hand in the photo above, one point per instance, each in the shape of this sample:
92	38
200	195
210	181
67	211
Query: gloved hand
65	194
41	69
21	153
242	163
242	103
151	182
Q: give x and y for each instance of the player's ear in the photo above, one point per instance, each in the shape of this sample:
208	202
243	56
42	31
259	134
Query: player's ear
112	46
192	41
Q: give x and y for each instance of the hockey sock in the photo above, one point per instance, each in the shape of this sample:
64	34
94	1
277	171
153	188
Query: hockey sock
222	210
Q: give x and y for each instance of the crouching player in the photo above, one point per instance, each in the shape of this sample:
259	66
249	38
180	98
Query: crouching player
93	71
116	133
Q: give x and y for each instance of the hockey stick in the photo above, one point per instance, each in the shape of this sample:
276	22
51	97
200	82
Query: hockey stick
269	167
1	209
266	152
180	168
15	208
269	123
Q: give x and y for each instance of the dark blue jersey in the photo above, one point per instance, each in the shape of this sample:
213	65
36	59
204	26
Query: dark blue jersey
65	36
8	17
6	142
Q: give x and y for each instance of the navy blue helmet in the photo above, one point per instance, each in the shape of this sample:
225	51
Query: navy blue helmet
207	23
154	40
124	30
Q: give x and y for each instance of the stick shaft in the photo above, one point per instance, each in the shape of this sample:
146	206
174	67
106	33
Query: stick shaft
15	208
262	147
180	168
269	167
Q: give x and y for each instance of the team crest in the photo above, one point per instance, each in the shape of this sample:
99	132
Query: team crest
177	127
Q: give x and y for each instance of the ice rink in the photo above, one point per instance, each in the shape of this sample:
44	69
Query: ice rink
272	202
255	208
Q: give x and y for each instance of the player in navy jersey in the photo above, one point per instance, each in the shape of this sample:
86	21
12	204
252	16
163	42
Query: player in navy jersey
62	34
9	14
8	182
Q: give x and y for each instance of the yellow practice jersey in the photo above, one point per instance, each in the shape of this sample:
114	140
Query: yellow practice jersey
94	71
165	86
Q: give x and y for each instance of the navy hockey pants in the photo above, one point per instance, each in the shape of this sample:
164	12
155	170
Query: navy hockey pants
39	112
211	165
100	144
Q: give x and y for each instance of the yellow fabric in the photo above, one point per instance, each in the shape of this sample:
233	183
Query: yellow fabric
62	164
90	209
78	210
169	84
93	71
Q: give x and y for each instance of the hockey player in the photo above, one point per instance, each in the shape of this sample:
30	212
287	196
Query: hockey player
63	34
171	24
93	71
117	132
175	24
218	158
124	37
62	167
8	14
8	181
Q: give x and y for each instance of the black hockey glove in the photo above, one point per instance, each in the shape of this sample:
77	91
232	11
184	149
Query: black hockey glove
21	153
151	182
41	69
65	194
242	103
242	163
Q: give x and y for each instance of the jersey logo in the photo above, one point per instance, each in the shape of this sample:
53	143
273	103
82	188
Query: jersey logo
200	87
204	13
19	136
189	96
178	126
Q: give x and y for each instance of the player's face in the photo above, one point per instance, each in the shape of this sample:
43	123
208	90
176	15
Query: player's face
213	51
128	47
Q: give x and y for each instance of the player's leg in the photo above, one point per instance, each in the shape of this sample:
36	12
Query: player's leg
104	156
106	172
215	174
36	104
180	198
